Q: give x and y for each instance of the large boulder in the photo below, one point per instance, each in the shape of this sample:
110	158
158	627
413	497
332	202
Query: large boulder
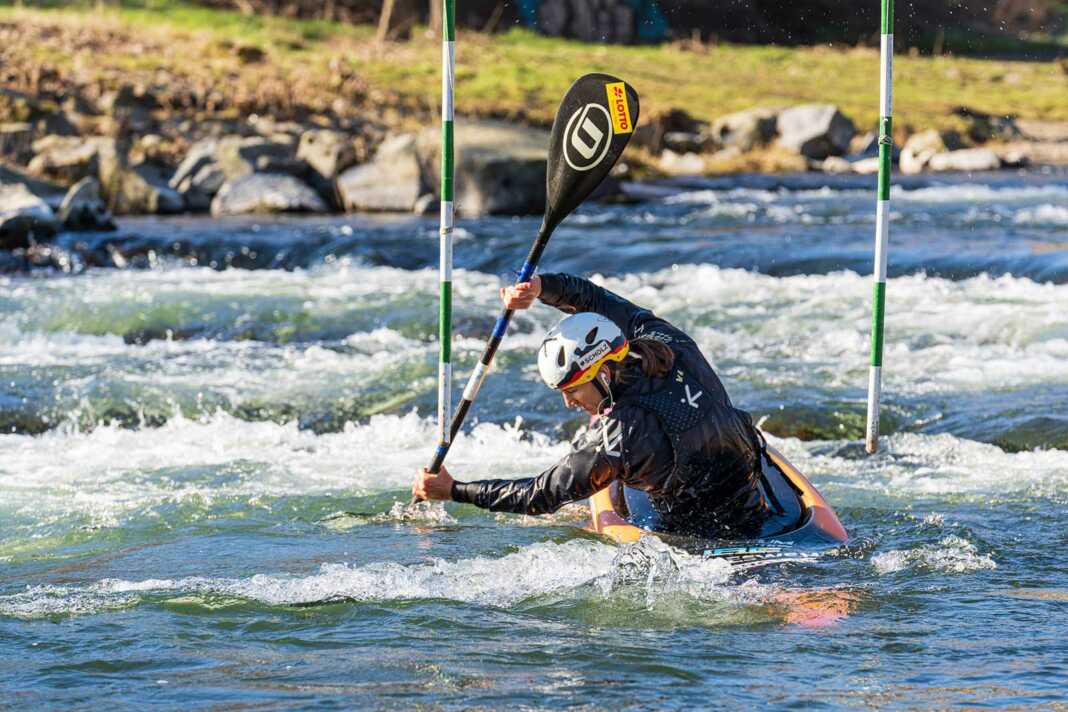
16	141
969	159
199	155
1043	131
816	131
68	159
866	166
266	193
392	181
1019	154
63	123
211	163
82	208
500	167
865	146
747	129
139	189
199	189
688	142
327	152
922	146
239	157
145	191
681	164
50	193
835	164
918	150
198	177
500	170
981	127
24	217
284	132
674	129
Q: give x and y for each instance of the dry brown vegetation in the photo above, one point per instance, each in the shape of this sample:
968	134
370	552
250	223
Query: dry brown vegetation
206	67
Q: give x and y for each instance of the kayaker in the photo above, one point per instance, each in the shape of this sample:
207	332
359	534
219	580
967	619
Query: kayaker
664	424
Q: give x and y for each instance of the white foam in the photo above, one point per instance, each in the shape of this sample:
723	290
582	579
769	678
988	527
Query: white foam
65	324
952	555
115	301
819	206
533	571
52	601
962	193
576	568
765	196
1056	215
111	472
851	206
941	335
801	332
910	465
934	519
976	193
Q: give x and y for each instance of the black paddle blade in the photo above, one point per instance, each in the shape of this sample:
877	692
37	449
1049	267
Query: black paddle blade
593	125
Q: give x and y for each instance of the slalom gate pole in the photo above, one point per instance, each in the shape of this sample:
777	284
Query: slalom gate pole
448	61
882	222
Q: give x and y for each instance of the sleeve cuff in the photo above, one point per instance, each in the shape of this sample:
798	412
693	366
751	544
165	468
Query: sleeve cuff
461	492
551	288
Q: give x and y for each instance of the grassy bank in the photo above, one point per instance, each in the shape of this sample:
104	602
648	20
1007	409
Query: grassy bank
519	73
516	74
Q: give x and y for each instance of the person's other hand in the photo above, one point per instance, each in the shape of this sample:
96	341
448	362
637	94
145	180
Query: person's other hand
522	295
433	487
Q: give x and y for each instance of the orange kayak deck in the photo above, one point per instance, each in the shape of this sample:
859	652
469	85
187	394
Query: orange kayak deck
819	526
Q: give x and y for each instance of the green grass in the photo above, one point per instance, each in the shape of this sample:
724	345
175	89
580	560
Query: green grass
523	75
250	29
256	30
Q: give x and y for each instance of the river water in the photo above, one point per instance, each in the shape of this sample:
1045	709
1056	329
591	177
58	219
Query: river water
206	455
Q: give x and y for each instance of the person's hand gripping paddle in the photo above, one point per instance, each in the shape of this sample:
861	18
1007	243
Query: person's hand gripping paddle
592	127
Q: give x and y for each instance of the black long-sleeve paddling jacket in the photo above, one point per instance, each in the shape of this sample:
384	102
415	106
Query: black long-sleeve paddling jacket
676	438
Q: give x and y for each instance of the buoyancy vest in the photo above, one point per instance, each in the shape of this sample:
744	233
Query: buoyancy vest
712	489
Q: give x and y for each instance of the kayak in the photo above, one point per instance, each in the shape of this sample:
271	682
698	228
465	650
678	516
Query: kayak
806	524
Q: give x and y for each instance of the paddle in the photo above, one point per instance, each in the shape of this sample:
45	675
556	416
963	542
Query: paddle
592	127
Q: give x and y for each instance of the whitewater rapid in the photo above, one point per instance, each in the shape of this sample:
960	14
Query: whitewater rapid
204	471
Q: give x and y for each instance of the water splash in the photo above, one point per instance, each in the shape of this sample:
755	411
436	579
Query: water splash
952	555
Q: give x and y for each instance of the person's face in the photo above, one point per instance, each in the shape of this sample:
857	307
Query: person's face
584	396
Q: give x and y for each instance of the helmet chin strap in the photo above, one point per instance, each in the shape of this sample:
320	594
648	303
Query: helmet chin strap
606	395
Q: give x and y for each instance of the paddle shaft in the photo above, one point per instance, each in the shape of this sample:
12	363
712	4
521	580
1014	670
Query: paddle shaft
593	125
483	366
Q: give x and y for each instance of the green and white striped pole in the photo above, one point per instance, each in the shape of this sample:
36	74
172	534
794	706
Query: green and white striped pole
448	61
882	222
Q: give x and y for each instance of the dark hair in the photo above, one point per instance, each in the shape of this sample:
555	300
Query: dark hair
656	358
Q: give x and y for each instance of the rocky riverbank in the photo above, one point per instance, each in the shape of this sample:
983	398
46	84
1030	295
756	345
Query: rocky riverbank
820	137
79	146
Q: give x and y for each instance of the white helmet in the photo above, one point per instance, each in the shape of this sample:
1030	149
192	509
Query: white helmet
576	348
